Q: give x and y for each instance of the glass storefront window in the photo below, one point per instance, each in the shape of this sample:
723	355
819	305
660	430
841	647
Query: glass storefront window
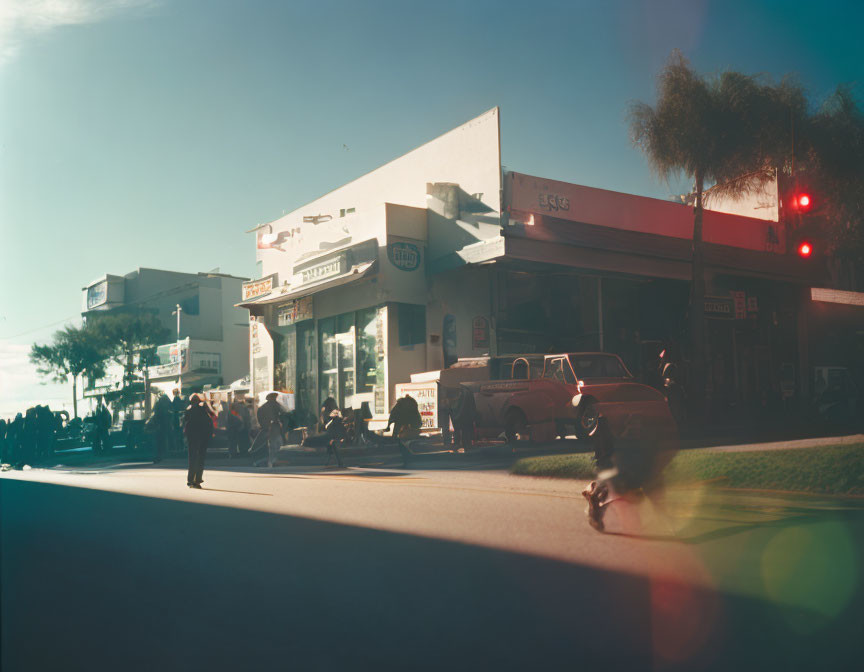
337	358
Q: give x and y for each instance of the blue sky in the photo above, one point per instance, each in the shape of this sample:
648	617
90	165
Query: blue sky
155	132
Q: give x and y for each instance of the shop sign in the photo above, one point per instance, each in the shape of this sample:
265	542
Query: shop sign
752	304
719	307
740	302
261	354
404	256
97	294
295	310
480	333
327	269
255	288
426	396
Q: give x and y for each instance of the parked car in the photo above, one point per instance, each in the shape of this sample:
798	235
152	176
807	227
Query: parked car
570	393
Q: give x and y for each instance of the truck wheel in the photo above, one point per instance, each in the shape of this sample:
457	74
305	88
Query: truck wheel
514	423
586	425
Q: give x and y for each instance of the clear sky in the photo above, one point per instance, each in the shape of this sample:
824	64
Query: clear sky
155	132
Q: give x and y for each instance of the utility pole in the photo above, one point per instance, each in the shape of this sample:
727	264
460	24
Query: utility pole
179	351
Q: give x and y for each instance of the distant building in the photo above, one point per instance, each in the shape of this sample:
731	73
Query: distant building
441	254
212	347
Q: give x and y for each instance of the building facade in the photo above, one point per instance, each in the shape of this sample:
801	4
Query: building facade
440	254
212	345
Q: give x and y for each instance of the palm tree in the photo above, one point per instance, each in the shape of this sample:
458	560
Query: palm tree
74	352
731	131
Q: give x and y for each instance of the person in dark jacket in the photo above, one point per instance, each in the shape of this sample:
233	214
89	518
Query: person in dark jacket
334	425
269	417
198	428
463	414
406	421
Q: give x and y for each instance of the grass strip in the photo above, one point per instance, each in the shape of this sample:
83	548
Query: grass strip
835	470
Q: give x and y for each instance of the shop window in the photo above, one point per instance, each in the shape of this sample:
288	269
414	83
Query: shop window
336	342
370	366
412	323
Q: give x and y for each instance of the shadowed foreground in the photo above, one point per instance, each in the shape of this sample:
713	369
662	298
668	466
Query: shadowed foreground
105	581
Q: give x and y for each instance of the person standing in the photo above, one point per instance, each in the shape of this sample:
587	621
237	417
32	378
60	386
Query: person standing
334	425
177	408
162	429
198	428
463	413
268	418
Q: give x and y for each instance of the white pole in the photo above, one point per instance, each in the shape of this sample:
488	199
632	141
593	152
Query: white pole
179	353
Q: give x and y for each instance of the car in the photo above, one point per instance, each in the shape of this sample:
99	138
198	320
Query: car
569	393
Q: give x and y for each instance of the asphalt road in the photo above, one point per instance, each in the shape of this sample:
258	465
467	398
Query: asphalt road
126	568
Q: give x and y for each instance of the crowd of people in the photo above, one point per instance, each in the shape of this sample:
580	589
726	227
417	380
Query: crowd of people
33	436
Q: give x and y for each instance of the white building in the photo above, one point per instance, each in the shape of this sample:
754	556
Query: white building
212	346
440	254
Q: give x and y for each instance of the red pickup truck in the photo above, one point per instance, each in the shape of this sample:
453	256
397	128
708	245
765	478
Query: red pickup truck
567	394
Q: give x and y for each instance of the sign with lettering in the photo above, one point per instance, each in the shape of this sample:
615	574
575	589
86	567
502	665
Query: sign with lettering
553	202
740	301
97	294
480	333
426	396
326	269
261	356
255	288
404	256
293	311
719	307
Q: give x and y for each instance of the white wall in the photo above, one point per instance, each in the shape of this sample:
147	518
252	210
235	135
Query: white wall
468	156
466	294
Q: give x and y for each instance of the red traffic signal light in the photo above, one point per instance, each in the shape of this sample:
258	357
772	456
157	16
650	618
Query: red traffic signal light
805	249
802	202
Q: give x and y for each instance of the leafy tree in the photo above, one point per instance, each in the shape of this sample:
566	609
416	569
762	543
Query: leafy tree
73	352
130	339
729	130
832	167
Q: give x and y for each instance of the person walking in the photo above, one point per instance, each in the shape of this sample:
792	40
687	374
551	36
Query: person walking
464	413
269	419
198	428
334	425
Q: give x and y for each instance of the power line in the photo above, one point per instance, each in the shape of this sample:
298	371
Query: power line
33	331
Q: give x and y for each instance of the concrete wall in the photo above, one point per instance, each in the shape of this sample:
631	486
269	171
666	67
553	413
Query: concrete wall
468	156
465	294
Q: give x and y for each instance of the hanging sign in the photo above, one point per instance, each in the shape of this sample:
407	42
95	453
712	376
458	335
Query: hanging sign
293	311
719	307
480	333
740	300
404	256
255	288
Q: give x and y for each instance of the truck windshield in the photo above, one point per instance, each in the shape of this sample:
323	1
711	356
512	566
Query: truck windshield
559	369
598	366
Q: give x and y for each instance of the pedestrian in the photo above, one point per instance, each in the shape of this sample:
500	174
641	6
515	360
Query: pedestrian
406	422
4	443
163	432
178	406
269	418
334	425
234	430
101	429
198	428
463	413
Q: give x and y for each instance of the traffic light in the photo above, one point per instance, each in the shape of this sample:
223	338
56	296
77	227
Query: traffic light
805	249
802	202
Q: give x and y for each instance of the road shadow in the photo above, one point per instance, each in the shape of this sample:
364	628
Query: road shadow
101	580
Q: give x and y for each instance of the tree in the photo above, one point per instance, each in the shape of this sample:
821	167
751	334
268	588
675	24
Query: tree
130	339
731	131
74	352
832	164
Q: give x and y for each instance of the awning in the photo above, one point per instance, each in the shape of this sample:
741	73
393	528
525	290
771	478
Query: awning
286	292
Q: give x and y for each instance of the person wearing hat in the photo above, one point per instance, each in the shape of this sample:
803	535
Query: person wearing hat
268	418
198	428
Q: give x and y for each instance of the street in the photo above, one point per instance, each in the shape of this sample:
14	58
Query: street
374	568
